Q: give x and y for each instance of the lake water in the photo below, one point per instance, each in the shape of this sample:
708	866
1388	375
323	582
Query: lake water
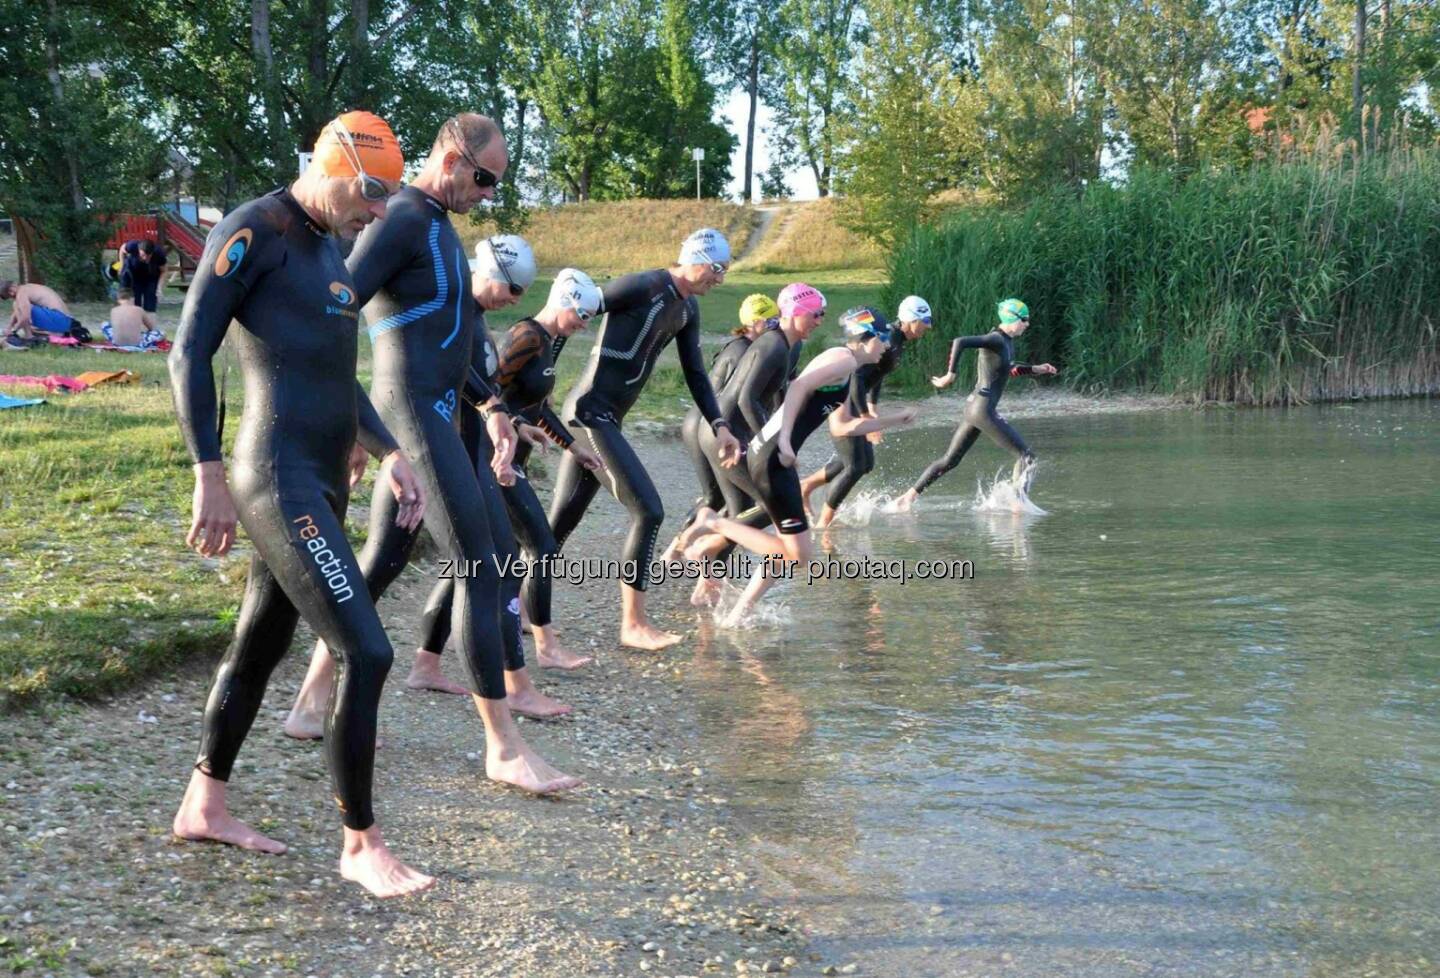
1187	723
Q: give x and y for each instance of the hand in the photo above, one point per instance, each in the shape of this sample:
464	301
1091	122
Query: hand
940	383
395	469
786	453
504	471
212	527
875	437
534	436
503	437
359	458
1046	368
587	459
727	448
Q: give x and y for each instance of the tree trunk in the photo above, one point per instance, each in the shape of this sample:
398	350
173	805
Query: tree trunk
1358	86
754	89
359	51
264	56
57	88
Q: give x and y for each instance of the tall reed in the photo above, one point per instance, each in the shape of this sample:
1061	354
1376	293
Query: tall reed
1285	282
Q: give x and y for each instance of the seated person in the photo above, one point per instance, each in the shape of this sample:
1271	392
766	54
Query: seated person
37	307
127	326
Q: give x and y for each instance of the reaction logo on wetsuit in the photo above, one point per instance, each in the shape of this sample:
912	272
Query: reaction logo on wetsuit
234	251
330	566
346	297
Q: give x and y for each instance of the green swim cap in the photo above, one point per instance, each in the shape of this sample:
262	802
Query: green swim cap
1013	310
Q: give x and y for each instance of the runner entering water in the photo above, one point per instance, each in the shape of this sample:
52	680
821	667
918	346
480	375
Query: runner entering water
818	394
854	457
755	313
995	366
272	265
643	313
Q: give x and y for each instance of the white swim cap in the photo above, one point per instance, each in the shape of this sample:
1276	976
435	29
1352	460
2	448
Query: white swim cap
573	289
913	309
703	247
505	255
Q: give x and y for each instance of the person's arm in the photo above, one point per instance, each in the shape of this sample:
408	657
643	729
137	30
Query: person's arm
370	431
754	382
221	282
692	364
845	423
548	421
963	343
20	315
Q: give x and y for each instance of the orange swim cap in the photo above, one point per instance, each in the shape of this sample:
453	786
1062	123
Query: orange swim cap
374	143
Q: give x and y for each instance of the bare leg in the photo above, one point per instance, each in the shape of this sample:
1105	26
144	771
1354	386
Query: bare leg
551	654
509	760
425	673
528	701
307	717
636	630
204	816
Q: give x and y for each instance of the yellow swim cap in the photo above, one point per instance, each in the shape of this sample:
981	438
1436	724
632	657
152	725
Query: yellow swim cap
374	144
757	307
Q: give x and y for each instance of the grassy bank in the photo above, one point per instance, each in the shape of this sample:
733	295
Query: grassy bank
1279	284
806	236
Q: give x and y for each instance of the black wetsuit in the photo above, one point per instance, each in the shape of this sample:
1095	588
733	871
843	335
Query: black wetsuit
994	367
424	334
515	510
755	390
854	456
644	312
280	275
721	368
763	451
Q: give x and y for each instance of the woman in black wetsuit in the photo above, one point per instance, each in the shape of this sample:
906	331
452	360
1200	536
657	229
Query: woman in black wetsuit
996	365
272	266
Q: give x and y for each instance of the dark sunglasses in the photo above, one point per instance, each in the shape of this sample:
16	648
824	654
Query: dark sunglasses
585	317
516	289
485	179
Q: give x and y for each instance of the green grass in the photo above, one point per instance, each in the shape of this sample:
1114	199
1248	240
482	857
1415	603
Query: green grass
1281	283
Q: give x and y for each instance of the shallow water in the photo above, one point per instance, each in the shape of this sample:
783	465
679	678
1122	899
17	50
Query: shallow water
1186	723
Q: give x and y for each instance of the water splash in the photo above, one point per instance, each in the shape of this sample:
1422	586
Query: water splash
1006	494
769	612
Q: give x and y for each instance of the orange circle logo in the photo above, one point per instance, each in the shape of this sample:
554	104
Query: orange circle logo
342	293
233	253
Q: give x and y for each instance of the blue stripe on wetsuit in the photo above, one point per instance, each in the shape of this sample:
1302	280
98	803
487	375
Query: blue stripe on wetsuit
459	277
442	292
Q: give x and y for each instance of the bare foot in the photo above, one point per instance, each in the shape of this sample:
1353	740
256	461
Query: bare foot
526	770
646	637
530	702
706	547
553	655
672	553
203	817
707	592
303	724
905	502
366	860
425	674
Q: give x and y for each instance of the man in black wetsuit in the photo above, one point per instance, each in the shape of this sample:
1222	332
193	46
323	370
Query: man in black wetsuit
142	265
854	456
643	313
994	367
422	325
273	266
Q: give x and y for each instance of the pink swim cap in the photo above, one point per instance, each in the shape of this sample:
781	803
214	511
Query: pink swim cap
797	299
